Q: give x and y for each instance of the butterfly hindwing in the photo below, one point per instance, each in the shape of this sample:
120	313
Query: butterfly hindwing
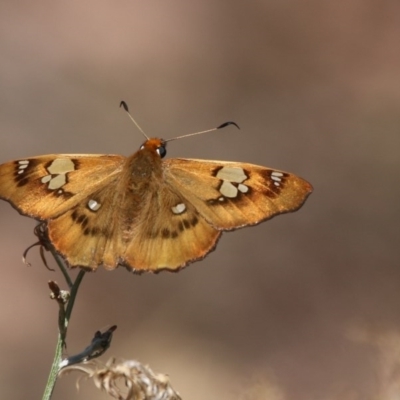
231	195
177	234
88	234
149	228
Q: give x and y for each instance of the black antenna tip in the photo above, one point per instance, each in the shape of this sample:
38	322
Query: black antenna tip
228	123
124	105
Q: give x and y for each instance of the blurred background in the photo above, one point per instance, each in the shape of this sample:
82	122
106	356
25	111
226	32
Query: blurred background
305	306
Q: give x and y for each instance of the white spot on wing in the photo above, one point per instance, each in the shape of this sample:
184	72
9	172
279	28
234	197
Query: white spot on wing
22	165
93	205
57	182
58	170
276	177
179	208
228	190
232	174
243	188
275	173
46	179
61	166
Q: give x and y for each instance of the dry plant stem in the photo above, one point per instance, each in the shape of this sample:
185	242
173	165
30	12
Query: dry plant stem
73	286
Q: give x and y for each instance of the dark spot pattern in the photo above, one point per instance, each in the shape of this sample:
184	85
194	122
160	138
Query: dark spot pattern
74	215
194	221
165	233
22	181
76	163
94	231
215	171
61	193
83	220
247	173
271	193
48	164
87	230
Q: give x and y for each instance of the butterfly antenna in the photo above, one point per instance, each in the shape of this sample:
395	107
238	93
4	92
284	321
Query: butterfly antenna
208	130
125	107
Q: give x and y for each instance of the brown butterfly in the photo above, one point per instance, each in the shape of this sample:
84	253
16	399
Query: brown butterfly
143	212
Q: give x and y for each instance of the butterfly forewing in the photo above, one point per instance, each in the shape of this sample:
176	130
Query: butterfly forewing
231	195
46	186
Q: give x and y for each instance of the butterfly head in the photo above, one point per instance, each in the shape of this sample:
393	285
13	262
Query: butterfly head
155	145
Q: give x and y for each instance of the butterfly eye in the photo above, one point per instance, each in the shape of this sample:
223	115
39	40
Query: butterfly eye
162	151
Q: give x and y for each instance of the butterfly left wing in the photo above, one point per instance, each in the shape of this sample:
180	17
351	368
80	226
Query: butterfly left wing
46	186
231	195
75	195
90	234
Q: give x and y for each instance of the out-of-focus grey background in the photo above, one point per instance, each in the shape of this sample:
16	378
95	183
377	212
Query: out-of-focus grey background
306	306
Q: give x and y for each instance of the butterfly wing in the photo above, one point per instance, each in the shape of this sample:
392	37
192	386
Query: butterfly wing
182	218
46	186
88	234
65	191
168	233
231	195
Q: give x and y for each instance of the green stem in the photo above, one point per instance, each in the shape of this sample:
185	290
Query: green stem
74	286
51	381
62	267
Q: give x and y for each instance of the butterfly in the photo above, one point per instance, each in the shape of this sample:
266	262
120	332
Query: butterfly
144	212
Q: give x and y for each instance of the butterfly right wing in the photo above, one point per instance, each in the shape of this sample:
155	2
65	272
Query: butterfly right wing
231	195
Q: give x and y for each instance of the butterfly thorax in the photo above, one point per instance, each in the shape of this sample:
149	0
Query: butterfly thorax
145	166
141	177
